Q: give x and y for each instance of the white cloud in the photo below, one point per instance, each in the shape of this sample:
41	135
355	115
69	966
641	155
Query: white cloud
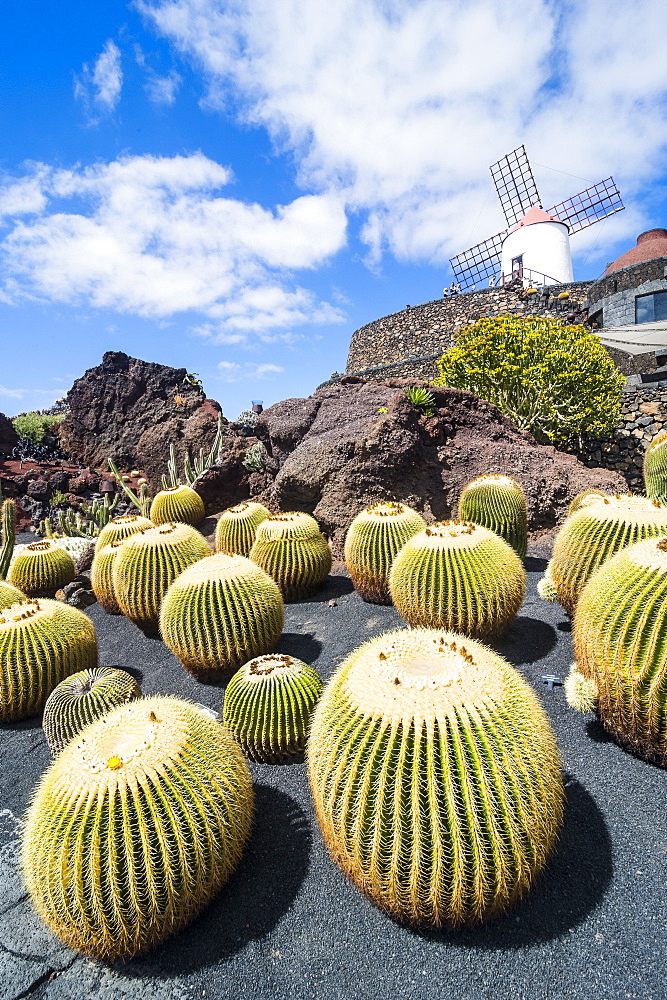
163	89
153	236
402	105
12	393
100	88
231	371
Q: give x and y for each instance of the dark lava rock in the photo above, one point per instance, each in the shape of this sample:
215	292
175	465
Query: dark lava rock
8	436
131	411
84	562
355	442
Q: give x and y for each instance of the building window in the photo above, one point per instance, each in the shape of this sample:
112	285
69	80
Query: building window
651	308
517	266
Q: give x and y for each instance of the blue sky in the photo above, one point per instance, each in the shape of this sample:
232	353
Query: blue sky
234	187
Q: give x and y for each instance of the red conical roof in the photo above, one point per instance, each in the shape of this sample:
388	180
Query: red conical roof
651	244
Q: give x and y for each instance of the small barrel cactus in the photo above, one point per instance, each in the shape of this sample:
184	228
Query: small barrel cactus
546	587
41	568
235	531
41	643
596	532
121	527
372	541
291	548
177	503
585	498
458	576
10	595
101	576
219	613
655	468
81	699
497	503
268	703
620	625
136	826
147	563
436	777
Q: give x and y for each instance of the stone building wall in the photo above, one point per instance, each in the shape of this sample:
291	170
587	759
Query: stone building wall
626	279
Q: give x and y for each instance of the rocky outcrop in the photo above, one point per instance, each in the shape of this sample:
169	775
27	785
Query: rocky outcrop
8	436
356	442
132	411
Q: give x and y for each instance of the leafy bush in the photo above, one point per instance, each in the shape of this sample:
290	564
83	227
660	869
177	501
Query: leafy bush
34	425
247	419
556	381
255	458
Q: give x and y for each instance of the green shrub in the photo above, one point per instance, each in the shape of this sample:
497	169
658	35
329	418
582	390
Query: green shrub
556	381
34	425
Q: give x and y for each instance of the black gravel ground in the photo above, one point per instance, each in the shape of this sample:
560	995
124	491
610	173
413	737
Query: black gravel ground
288	925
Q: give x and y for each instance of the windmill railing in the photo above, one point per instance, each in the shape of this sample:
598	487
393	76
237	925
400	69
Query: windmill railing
528	278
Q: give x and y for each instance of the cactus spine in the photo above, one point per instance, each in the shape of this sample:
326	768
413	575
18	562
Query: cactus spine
177	503
236	528
596	532
147	563
291	549
436	777
585	498
81	699
458	576
497	503
655	468
41	643
268	703
219	613
101	576
8	523
41	568
122	527
136	826
10	595
372	541
620	642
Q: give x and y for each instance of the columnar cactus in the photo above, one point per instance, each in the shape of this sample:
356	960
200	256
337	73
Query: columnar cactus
10	595
81	699
41	568
372	541
101	576
120	528
458	576
219	613
41	643
620	626
291	548
498	503
147	563
268	703
7	534
235	531
436	777
177	503
596	532
136	826
655	468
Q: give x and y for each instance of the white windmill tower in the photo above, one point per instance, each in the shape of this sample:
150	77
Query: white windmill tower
535	248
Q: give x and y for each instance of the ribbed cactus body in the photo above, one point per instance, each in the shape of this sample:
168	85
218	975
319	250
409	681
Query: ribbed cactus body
10	595
620	642
135	827
41	643
372	541
236	528
121	527
596	532
585	498
81	699
268	703
459	576
219	613
147	563
436	777
101	576
497	503
41	568
292	550
655	468
177	503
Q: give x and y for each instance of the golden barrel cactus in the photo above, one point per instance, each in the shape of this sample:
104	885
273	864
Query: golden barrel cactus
121	527
459	576
219	613
147	563
41	568
291	548
436	777
497	503
136	826
596	532
101	576
81	699
655	468
236	528
41	643
10	595
268	703
372	541
177	503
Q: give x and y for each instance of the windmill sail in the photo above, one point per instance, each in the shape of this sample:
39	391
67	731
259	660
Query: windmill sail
480	262
515	185
589	206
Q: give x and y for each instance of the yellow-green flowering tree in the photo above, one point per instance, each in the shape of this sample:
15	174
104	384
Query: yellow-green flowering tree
556	381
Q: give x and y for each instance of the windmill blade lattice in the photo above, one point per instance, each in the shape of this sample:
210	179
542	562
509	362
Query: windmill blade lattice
479	262
515	185
595	203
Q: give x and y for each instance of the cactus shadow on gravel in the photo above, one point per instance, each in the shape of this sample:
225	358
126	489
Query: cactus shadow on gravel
573	883
258	895
302	645
526	640
534	564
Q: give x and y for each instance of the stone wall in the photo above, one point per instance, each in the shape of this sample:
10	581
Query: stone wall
626	279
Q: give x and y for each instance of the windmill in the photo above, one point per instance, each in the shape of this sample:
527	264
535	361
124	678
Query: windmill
535	247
